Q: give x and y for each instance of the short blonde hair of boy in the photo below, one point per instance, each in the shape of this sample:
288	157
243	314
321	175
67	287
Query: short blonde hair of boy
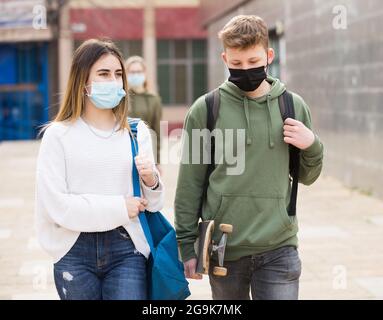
244	31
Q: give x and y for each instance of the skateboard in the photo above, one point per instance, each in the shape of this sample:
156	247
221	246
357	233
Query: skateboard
207	247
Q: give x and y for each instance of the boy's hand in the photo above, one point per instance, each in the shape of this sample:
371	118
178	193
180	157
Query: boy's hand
297	134
189	267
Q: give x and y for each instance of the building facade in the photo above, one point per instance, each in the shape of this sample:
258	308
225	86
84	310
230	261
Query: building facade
181	62
38	38
329	52
28	50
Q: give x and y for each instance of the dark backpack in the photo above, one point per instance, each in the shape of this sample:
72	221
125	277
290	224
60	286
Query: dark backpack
286	106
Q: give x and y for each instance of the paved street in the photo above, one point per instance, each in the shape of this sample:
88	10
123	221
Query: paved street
341	236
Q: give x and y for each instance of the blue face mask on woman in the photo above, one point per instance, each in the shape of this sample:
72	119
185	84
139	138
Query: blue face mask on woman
106	94
136	79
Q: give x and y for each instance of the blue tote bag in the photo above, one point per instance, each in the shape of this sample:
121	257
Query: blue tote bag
165	273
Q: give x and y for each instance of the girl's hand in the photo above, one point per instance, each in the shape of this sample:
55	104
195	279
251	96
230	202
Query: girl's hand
145	168
135	205
297	134
159	169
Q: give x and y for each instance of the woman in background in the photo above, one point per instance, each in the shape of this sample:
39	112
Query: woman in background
143	104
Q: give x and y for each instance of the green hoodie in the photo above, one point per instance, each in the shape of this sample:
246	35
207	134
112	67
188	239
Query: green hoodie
255	201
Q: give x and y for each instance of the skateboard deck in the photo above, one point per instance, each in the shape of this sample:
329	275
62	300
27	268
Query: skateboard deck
207	247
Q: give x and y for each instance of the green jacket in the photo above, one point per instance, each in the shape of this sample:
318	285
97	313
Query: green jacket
255	200
147	106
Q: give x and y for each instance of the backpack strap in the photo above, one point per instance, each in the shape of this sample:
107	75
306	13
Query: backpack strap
286	106
212	100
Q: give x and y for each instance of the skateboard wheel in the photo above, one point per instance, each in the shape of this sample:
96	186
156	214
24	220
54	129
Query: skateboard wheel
226	228
220	271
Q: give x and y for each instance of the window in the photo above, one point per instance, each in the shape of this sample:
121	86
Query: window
128	47
181	72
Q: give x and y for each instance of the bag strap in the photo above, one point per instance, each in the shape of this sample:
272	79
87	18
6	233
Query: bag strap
286	107
212	100
133	122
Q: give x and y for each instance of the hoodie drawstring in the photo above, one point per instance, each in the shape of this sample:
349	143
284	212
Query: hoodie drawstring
270	123
249	132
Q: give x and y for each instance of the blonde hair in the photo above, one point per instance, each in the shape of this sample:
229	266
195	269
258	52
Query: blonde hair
141	61
244	31
84	58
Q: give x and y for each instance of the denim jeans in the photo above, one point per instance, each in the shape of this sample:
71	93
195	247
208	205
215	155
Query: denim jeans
273	275
102	266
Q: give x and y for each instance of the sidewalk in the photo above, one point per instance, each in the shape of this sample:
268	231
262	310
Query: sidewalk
341	232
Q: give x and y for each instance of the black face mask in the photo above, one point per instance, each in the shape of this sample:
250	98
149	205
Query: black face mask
248	79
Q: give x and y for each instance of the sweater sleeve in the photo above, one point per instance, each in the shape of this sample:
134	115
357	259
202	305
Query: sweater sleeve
311	159
76	212
190	183
155	197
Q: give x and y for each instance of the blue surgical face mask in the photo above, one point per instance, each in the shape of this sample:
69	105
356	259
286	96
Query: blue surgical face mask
136	79
106	94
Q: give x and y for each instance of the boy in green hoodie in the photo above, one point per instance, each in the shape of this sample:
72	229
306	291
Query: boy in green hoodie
261	253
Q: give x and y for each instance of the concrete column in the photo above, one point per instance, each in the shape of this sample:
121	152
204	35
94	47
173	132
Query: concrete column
149	43
65	48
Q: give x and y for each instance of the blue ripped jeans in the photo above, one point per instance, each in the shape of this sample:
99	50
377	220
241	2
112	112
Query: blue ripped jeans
102	266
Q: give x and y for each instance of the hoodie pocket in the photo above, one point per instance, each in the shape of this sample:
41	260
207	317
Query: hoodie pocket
258	220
